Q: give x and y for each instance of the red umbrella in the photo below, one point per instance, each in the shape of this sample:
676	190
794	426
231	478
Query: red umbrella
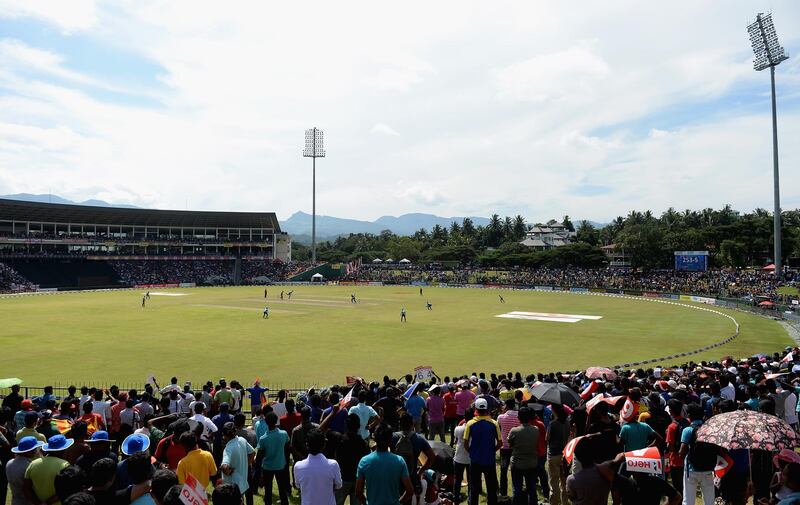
766	304
597	372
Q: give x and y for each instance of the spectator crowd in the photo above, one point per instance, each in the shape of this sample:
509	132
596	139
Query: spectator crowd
732	283
565	437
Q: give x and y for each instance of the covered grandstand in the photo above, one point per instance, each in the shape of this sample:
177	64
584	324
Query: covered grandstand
58	245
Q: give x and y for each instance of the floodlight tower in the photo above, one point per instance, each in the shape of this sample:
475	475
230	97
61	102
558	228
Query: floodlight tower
768	54
314	149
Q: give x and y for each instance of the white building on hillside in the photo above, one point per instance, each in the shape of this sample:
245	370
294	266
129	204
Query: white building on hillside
542	237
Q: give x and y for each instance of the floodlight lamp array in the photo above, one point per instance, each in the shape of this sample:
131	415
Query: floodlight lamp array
314	147
764	39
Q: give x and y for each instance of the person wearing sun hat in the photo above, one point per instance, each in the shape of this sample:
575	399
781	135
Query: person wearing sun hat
133	444
99	447
24	453
40	476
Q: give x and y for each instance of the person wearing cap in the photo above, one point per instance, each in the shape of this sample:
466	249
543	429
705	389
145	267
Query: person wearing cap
482	439
99	448
39	485
25	406
24	453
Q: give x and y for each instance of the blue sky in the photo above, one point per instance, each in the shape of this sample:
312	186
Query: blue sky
460	108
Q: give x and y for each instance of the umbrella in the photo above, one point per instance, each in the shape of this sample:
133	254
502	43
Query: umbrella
597	372
612	401
745	429
766	304
559	394
7	383
442	449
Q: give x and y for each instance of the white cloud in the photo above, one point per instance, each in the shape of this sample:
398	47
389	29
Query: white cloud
384	129
69	15
500	110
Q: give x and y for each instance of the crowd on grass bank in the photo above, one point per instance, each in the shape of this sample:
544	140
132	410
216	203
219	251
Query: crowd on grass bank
732	283
563	436
11	280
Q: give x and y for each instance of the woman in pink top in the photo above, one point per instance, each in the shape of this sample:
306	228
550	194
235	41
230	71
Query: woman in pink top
464	399
435	406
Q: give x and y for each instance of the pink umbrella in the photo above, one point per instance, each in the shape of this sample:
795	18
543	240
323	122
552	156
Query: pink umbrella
596	372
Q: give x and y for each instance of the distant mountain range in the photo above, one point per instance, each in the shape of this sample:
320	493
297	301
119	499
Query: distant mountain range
28	197
328	227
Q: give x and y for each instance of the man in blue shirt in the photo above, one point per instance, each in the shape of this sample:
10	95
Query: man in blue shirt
256	392
274	445
482	440
381	473
414	406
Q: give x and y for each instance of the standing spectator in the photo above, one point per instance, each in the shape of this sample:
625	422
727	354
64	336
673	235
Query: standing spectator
366	414
199	419
381	474
464	400
507	420
352	447
700	459
482	439
257	396
236	459
197	462
273	448
317	476
298	438
415	405
24	453
291	419
13	400
592	484
461	459
524	443
40	476
556	438
219	421
673	443
435	406
450	412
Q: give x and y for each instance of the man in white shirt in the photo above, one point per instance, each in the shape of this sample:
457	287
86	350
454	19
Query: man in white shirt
317	476
103	407
186	399
209	428
726	390
83	398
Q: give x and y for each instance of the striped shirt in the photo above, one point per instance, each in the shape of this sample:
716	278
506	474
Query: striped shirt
507	421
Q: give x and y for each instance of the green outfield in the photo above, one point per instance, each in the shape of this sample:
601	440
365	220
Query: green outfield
318	336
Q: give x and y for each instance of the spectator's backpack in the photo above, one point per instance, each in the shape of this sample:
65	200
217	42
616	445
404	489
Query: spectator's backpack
702	455
405	449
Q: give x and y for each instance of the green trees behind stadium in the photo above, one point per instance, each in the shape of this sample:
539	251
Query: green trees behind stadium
733	239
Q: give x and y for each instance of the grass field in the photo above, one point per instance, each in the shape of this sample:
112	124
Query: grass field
319	336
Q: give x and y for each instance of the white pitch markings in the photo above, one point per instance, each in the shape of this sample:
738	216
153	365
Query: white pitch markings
546	316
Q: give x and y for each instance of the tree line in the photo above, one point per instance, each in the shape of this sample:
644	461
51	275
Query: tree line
733	239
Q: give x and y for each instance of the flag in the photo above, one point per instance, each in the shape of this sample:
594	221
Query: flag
590	389
569	449
629	410
410	390
647	460
193	493
350	380
344	402
62	425
788	358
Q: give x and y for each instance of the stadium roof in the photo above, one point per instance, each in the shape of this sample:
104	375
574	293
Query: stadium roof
17	210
